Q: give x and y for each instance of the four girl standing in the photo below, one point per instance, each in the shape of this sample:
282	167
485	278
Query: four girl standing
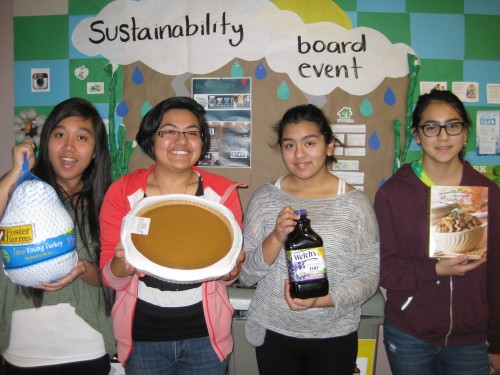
162	326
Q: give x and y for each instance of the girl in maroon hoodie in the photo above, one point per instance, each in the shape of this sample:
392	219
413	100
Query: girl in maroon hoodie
441	316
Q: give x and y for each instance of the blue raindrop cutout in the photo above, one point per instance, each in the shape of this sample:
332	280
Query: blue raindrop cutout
389	97
374	141
283	91
145	108
260	71
237	70
122	109
366	108
137	76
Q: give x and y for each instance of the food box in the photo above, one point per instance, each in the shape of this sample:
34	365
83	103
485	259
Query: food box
458	221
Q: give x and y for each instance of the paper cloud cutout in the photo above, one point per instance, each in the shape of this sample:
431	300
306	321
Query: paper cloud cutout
322	56
200	37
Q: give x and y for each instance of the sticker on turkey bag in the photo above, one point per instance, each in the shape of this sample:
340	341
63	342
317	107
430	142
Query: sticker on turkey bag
19	256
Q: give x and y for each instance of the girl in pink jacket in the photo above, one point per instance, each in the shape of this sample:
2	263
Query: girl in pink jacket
162	327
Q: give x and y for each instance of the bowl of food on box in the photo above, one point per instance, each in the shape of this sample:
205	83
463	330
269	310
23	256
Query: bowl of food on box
458	233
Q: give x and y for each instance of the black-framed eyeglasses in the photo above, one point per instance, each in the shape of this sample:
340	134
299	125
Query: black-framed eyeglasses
190	134
433	129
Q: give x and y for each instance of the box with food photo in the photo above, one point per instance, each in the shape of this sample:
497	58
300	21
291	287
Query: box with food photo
458	221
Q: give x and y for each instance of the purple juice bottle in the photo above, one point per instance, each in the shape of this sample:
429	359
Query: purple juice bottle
305	257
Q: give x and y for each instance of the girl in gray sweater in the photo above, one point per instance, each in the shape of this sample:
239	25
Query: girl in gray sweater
314	335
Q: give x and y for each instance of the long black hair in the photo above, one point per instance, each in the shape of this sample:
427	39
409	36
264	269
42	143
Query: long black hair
86	203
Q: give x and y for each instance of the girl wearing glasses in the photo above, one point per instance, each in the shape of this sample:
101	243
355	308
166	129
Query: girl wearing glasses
161	327
441	316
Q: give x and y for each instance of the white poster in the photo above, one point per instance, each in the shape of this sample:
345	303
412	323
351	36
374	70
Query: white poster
493	93
488	132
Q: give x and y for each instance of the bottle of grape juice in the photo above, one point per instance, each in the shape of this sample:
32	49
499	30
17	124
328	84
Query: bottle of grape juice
306	260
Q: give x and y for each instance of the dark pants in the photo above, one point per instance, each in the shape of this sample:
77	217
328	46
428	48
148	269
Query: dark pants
292	356
99	366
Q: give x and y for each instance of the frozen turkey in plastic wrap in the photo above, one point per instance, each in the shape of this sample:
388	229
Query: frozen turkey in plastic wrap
37	237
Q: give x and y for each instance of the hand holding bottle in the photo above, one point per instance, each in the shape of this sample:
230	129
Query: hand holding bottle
273	243
285	223
297	304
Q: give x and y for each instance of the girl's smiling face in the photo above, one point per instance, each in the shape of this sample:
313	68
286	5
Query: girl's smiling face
443	148
178	152
71	149
304	150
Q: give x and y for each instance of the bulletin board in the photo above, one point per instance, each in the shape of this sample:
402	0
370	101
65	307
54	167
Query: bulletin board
370	115
267	165
356	75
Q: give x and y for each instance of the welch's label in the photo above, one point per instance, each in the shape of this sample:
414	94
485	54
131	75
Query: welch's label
306	264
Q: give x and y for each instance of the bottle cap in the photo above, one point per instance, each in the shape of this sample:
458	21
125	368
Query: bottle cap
302	212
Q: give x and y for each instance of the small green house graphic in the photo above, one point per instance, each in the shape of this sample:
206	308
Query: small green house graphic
344	114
